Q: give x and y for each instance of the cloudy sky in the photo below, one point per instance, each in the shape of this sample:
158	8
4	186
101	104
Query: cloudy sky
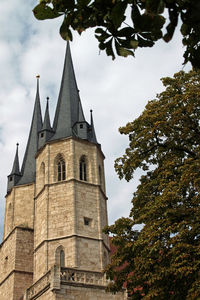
117	91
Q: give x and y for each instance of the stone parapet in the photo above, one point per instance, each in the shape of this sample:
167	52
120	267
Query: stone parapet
39	287
56	277
82	277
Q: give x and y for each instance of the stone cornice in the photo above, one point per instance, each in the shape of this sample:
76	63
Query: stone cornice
68	237
15	271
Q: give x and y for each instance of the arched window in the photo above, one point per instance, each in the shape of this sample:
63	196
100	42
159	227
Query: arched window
60	257
83	168
60	168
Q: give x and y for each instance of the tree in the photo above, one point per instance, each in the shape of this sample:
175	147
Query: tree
162	260
128	24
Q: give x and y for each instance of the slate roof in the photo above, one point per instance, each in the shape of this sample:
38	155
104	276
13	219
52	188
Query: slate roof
29	165
68	108
15	168
47	124
69	121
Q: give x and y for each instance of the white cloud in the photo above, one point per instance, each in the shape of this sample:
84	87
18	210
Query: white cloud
117	91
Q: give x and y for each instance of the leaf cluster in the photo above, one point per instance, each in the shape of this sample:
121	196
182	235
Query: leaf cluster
122	26
162	260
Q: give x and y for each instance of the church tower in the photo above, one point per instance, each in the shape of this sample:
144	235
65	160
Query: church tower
56	207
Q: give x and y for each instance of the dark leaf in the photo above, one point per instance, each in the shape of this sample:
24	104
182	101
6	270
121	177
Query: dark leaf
117	13
43	11
65	32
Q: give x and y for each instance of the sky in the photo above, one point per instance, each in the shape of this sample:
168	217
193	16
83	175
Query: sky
117	91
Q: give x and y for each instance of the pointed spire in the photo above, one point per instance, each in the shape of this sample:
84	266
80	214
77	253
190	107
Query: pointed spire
93	134
15	174
29	165
68	110
47	123
15	169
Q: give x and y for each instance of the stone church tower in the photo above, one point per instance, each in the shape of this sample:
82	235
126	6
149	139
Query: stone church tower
53	246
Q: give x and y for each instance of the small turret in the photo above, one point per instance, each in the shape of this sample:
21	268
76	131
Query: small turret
46	132
15	174
92	134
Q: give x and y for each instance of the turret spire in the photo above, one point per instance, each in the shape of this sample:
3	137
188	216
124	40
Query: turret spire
15	169
46	132
29	166
15	174
93	134
47	123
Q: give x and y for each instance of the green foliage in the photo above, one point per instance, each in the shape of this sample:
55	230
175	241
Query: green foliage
146	18
162	261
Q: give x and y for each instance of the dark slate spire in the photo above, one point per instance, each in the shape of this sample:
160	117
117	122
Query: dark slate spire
46	132
47	123
29	165
15	174
69	108
92	130
15	169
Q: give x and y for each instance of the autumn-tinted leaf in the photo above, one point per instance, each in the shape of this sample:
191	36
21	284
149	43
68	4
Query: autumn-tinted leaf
162	259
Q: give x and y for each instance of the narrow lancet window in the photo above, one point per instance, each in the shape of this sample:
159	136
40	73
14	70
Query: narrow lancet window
83	169
62	259
60	168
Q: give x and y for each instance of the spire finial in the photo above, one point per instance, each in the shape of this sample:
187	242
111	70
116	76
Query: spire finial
17	145
91	117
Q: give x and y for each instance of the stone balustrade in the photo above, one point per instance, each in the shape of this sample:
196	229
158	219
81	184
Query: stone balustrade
74	276
56	276
38	287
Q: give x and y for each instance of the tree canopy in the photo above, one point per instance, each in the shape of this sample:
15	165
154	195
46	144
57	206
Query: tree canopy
162	260
122	26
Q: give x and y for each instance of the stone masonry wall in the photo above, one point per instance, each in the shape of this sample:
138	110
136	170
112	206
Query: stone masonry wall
19	208
81	293
16	263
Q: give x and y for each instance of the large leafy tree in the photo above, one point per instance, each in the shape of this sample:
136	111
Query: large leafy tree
125	25
162	260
